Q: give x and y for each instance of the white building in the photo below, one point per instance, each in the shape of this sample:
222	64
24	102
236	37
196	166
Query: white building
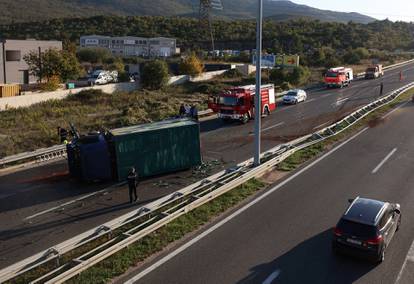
13	68
132	46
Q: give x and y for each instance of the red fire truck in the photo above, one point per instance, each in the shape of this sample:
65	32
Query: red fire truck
238	103
338	77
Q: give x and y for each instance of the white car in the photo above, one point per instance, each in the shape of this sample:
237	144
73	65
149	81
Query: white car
294	97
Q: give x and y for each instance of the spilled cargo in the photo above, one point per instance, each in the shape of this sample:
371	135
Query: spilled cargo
153	149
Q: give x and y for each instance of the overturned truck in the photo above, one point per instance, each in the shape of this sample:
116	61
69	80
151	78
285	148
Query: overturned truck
153	149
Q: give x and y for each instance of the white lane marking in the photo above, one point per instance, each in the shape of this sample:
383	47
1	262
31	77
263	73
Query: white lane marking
409	257
400	106
273	126
70	202
268	128
384	161
320	125
341	101
310	100
236	213
272	277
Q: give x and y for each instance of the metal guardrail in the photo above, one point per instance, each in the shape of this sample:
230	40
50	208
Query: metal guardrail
40	155
129	228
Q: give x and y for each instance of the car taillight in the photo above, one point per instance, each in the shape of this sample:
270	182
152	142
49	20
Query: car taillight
337	232
375	241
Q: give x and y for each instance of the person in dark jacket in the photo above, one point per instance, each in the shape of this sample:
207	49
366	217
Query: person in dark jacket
63	134
132	184
194	113
182	111
381	88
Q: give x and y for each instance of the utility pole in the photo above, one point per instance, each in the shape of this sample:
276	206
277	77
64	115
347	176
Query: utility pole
257	96
40	65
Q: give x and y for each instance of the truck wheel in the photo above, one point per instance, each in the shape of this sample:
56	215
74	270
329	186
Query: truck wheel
245	118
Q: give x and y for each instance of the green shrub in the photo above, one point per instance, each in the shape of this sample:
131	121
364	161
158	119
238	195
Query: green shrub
51	85
232	74
155	75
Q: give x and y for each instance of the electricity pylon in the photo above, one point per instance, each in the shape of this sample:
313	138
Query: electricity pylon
206	24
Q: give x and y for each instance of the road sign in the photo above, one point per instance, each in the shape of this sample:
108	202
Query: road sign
268	60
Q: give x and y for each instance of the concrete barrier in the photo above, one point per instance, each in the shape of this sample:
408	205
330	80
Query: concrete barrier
30	98
181	79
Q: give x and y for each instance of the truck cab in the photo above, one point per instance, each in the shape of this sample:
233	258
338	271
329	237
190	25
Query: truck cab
338	77
374	72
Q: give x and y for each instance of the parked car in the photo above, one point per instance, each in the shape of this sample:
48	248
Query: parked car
367	228
294	97
99	77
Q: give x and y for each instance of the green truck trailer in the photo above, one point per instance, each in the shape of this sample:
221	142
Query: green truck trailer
156	148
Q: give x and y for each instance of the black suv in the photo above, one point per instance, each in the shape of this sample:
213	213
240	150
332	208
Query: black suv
366	228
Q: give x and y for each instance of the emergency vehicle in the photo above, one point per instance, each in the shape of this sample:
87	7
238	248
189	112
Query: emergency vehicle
237	103
338	77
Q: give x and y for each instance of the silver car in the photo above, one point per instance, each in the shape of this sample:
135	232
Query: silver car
294	97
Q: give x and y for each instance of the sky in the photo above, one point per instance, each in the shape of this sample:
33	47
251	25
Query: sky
395	10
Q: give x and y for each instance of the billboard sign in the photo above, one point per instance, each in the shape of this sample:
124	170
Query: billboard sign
268	60
284	60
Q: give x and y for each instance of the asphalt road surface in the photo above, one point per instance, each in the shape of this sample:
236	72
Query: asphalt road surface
42	206
284	236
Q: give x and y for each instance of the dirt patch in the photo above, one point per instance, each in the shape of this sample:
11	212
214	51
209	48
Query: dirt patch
376	121
49	178
273	176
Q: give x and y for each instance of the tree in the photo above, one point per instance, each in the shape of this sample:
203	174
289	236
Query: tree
299	76
351	57
94	55
155	75
278	76
53	63
191	66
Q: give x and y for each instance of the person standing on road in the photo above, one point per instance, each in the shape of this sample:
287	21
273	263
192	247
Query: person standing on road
381	88
132	184
401	76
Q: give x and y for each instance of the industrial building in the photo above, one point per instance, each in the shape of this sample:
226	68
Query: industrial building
132	46
13	68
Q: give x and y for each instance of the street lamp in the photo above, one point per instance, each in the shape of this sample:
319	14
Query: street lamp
257	97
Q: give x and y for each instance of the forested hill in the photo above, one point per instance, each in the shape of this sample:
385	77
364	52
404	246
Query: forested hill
37	10
295	36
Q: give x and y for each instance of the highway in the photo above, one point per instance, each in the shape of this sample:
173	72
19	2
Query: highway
284	235
33	213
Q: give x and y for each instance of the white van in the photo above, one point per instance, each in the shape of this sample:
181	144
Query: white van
100	77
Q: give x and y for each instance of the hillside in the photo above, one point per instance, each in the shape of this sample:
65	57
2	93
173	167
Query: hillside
37	10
